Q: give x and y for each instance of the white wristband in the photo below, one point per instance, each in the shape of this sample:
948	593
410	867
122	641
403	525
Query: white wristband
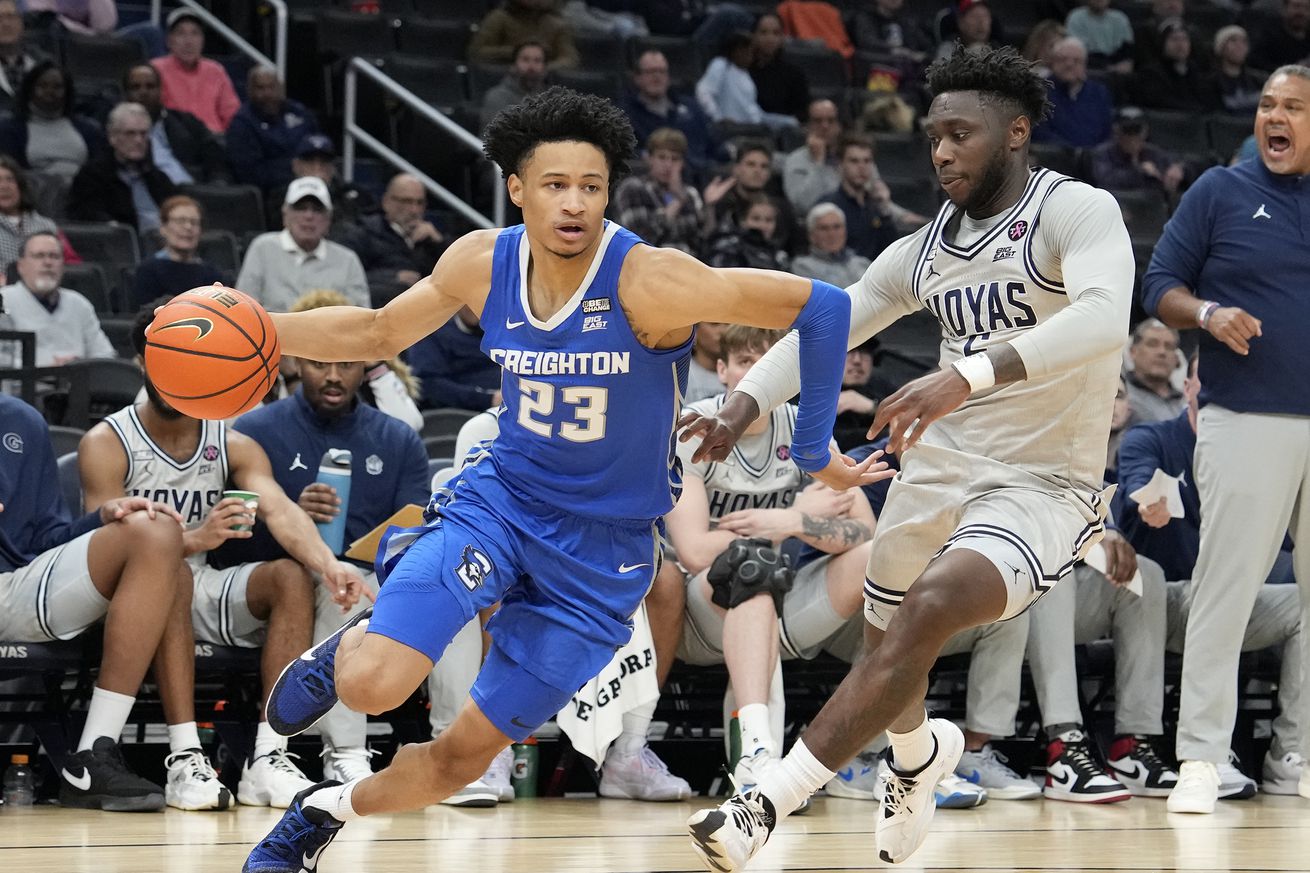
977	370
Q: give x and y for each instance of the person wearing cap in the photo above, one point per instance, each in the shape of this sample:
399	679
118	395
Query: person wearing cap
316	155
123	185
1176	83
193	83
281	265
1107	33
1129	163
1082	107
1238	83
266	131
180	143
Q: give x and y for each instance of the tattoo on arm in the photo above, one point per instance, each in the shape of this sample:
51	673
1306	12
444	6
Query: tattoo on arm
833	534
1008	365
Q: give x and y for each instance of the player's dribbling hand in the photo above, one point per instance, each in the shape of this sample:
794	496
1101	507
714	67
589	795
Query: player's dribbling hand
1234	327
320	502
916	405
345	585
121	507
719	432
1154	514
843	472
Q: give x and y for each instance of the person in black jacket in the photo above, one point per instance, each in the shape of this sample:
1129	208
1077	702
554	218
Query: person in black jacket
180	144
397	246
125	185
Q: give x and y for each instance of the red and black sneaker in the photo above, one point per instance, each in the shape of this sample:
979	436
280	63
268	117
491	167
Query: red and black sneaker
1073	773
1134	762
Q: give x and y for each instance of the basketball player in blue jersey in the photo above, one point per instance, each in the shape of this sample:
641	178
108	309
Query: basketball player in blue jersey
559	519
1003	448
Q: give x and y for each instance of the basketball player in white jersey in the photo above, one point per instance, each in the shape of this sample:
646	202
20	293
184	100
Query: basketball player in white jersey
1003	448
759	493
152	450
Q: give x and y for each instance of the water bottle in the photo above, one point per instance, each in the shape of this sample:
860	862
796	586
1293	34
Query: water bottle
334	470
20	786
524	775
734	742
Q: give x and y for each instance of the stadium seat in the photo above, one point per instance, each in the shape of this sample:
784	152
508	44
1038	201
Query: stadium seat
441	446
91	282
119	331
235	208
825	69
103	242
1227	133
919	193
70	481
90	58
1144	212
438	82
601	52
1177	131
587	82
445	421
438	39
342	34
112	383
901	154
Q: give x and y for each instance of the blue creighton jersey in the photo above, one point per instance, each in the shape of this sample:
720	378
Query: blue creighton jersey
589	412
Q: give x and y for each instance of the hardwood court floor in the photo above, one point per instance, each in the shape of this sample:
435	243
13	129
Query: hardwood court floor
612	836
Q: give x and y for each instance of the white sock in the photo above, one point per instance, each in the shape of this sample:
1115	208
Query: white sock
335	800
183	736
912	749
636	723
756	732
105	717
796	777
267	740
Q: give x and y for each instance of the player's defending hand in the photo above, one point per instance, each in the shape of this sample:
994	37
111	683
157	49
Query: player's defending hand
916	405
1234	327
719	432
345	585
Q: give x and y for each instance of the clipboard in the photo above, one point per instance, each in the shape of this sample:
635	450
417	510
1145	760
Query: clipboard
366	547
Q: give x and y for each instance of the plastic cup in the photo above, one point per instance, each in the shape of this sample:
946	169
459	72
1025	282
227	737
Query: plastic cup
251	499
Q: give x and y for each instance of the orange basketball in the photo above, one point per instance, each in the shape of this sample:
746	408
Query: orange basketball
212	352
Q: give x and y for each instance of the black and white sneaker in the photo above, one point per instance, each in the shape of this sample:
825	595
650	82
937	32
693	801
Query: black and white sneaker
1073	773
1134	762
98	778
727	836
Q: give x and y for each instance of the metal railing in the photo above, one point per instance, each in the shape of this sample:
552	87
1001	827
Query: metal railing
353	132
279	60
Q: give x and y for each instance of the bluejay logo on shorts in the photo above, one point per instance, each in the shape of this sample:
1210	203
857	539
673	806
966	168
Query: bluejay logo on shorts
475	568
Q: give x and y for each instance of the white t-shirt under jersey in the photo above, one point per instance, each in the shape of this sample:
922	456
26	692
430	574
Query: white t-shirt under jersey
1052	276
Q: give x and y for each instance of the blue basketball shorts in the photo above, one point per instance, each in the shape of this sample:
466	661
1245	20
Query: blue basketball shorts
568	587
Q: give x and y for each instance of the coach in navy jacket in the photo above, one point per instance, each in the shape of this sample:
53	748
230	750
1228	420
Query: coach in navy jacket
1233	261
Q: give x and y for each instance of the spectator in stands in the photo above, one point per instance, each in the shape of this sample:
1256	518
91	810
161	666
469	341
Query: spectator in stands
780	85
316	156
650	105
1177	82
1239	84
1146	36
124	185
135	584
526	76
192	82
750	243
281	265
79	16
727	92
660	206
975	29
64	321
703	376
829	258
397	246
1041	39
1129	163
1107	33
520	21
16	58
180	144
266	132
452	368
176	267
884	28
865	200
1082	108
46	135
1287	40
859	395
809	172
18	215
725	197
1153	352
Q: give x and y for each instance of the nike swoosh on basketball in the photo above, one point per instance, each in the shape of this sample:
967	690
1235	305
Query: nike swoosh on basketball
82	783
510	325
628	568
202	326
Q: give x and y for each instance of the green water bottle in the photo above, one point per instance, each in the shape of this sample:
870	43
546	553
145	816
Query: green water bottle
524	775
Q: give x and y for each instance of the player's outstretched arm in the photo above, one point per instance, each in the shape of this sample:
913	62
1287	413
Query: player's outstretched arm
352	333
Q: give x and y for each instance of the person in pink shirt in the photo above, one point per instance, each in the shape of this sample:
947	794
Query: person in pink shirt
193	83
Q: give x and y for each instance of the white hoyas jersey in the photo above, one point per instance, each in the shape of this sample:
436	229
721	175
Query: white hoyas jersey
759	474
193	486
991	290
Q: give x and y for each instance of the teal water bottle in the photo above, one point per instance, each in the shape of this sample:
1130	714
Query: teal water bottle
334	470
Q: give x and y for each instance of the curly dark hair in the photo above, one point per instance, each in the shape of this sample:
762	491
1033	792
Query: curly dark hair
560	114
999	74
144	316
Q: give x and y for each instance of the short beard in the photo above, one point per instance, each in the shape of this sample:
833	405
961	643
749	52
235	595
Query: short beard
158	404
992	181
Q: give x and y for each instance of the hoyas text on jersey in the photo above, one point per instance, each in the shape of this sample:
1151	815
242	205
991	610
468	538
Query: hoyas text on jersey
191	504
984	308
723	502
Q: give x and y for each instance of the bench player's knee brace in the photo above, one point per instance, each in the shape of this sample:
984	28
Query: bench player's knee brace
746	568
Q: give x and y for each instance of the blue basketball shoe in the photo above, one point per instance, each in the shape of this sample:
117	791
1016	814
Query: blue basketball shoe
298	841
307	688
